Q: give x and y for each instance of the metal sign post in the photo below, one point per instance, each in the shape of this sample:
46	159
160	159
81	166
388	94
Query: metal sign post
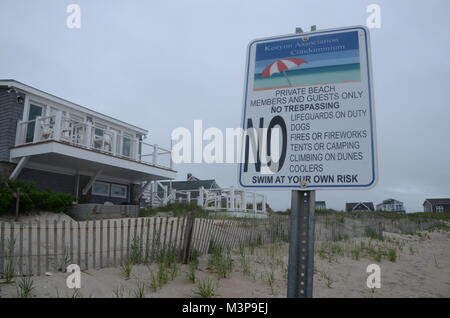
301	240
301	244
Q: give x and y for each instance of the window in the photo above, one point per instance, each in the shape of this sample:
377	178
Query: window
116	146
98	135
126	146
118	191
35	111
100	188
439	208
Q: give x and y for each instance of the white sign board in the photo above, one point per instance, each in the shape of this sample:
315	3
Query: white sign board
308	112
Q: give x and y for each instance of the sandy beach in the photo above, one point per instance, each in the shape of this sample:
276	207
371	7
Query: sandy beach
419	267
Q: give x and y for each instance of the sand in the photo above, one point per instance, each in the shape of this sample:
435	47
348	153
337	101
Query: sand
421	269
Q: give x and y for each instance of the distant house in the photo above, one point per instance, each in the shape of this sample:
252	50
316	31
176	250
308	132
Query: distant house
321	205
192	184
391	205
436	205
359	206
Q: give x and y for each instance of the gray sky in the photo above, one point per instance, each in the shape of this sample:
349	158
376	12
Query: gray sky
161	65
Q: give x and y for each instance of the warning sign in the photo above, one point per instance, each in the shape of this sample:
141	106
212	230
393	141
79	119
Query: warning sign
308	112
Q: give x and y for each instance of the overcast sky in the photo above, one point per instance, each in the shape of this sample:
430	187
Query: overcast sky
163	64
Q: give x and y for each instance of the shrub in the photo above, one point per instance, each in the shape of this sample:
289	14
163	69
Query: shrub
31	198
6	199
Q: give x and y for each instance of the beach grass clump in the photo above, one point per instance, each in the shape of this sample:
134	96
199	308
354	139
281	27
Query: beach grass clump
376	254
126	269
177	209
118	292
221	262
192	270
356	253
136	256
327	278
159	278
154	282
372	233
167	269
9	269
139	291
192	273
269	278
168	265
163	274
66	259
392	255
206	288
245	264
24	287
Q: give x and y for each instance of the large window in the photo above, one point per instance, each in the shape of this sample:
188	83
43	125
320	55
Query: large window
100	188
439	208
119	191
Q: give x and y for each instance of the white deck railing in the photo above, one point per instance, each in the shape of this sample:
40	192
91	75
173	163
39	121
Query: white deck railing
89	136
221	199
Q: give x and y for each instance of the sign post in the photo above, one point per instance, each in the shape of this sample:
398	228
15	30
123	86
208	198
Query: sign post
309	124
301	240
301	244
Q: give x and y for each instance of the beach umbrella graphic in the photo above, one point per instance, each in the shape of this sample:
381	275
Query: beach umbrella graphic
281	66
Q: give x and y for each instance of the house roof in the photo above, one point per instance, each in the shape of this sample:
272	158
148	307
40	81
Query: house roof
192	185
31	90
438	201
350	206
391	201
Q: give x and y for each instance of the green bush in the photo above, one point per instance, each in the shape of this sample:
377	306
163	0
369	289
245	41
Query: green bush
6	199
31	198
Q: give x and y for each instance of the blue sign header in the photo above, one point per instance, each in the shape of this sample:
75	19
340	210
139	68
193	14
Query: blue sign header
308	45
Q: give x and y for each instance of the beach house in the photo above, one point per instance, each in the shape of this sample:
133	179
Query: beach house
436	205
391	205
359	206
66	147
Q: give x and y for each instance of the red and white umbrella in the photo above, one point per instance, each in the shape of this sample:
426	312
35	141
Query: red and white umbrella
281	66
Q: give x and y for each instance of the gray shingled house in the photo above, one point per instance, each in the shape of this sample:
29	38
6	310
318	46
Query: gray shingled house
65	147
359	206
436	205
